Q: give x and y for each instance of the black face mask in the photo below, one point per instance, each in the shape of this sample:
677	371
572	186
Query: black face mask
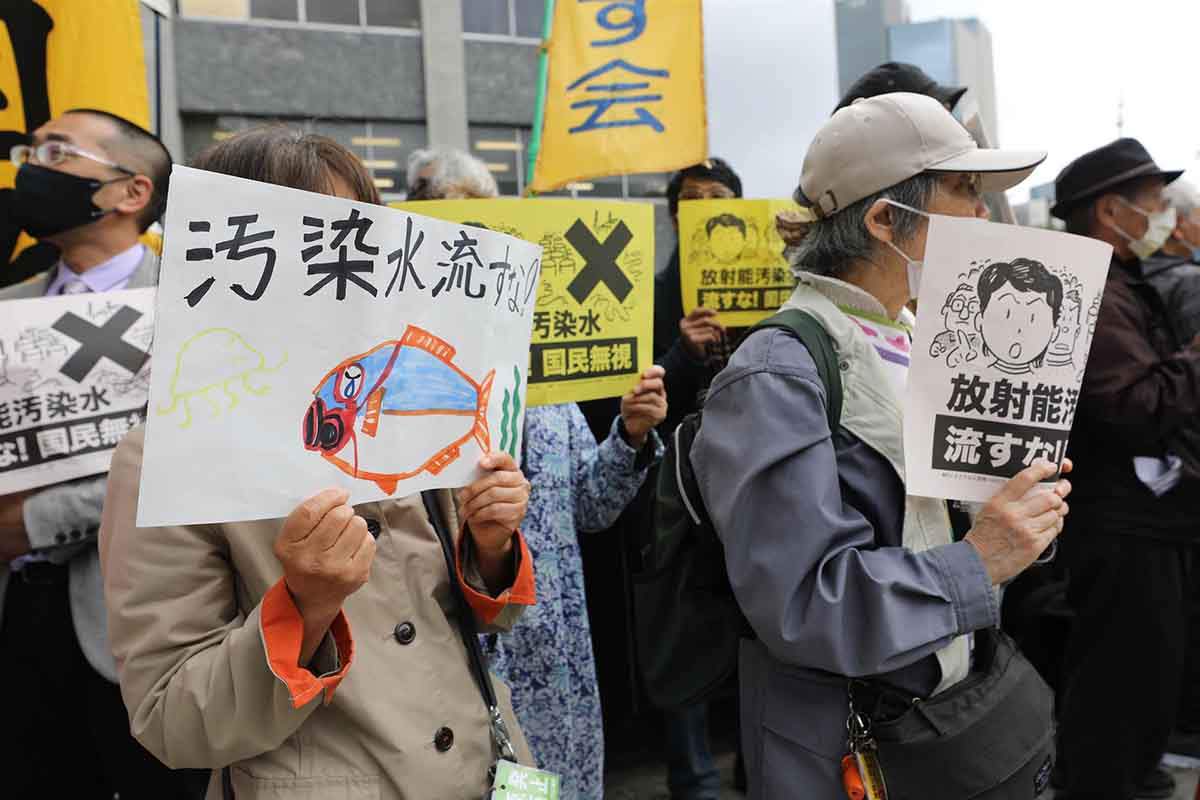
46	201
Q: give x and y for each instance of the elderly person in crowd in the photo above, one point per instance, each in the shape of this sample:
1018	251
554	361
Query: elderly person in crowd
838	571
319	655
1130	548
443	174
578	487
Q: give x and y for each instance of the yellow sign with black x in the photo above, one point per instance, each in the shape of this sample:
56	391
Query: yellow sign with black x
594	320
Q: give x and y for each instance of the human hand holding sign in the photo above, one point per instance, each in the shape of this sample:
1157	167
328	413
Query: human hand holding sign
698	329
1021	520
492	509
326	553
644	406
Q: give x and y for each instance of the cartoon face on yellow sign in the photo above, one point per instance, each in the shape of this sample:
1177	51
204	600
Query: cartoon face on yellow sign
731	258
593	323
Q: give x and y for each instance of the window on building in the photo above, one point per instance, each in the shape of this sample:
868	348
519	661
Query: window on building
486	16
504	17
275	9
353	13
333	12
225	9
529	16
504	153
384	147
394	13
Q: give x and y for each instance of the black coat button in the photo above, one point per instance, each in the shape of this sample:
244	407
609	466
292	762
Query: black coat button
405	632
60	538
443	740
75	534
373	527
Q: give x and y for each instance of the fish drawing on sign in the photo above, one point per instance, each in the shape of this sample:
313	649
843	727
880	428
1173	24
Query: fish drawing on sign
368	410
215	359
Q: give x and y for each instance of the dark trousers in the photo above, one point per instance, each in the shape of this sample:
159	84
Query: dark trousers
66	733
1125	658
1189	701
691	772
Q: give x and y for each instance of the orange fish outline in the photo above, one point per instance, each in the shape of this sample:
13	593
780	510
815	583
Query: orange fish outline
442	350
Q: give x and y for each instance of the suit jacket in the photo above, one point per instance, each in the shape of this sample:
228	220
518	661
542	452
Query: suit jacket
206	639
63	520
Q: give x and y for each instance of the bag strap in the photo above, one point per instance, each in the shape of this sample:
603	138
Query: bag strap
812	334
470	634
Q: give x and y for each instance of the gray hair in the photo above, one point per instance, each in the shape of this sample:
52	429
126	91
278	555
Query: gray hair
833	243
1183	197
454	173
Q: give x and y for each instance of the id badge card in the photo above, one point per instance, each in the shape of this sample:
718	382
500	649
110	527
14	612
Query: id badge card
515	782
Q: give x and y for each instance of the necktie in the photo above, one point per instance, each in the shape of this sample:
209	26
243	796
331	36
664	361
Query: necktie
75	286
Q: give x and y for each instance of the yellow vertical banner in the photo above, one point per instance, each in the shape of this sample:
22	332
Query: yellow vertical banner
594	319
625	90
56	55
731	258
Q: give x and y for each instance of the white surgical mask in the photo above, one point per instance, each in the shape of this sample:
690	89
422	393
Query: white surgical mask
913	267
1162	225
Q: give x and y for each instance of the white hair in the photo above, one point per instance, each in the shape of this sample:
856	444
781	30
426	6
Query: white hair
1182	196
452	173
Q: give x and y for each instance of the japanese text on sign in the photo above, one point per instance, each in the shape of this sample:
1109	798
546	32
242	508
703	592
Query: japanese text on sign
731	259
314	341
1002	340
594	307
625	92
74	377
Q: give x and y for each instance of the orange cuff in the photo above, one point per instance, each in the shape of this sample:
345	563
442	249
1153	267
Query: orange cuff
283	635
521	593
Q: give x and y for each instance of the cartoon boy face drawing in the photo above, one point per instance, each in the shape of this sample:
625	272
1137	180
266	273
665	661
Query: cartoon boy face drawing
1019	303
727	237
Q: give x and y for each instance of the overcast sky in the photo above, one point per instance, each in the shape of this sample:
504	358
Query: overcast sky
1063	65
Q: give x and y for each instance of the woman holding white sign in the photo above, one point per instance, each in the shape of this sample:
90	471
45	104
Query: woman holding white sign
331	653
871	614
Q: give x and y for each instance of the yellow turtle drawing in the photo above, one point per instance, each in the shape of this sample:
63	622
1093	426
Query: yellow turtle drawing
214	359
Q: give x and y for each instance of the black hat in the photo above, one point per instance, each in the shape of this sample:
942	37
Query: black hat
896	77
1104	168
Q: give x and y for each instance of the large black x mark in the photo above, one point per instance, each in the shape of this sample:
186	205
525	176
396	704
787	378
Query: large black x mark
599	261
99	341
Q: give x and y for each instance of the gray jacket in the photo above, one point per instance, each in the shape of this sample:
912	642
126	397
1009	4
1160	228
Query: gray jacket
63	520
838	572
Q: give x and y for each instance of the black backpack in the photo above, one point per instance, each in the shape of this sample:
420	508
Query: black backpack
686	620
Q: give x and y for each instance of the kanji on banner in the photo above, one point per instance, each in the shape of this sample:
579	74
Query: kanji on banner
731	259
1005	324
306	341
74	377
593	323
625	90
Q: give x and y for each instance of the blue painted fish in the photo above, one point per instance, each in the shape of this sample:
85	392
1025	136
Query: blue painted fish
380	401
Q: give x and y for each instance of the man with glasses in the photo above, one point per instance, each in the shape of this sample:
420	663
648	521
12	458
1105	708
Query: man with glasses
89	183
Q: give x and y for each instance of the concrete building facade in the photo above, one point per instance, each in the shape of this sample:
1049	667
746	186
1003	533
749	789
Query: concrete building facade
384	77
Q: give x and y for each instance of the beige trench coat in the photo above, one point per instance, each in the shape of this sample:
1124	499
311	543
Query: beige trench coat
202	629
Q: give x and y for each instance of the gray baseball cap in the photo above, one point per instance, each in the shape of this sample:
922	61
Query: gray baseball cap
880	141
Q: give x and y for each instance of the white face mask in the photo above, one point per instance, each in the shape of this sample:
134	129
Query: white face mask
1162	225
912	267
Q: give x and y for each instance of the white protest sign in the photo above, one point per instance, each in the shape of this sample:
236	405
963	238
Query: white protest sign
74	374
1004	326
306	341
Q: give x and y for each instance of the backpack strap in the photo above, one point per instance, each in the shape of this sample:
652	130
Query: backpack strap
812	334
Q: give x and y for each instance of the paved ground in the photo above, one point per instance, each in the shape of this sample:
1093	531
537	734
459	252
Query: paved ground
645	781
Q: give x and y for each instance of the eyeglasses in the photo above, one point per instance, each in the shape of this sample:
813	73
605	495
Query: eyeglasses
53	153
